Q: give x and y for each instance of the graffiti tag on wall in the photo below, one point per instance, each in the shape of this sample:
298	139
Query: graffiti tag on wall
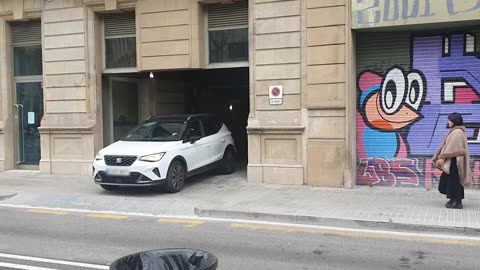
370	13
402	113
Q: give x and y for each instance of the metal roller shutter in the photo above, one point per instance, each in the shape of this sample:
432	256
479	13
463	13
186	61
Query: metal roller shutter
228	15
407	85
119	24
26	32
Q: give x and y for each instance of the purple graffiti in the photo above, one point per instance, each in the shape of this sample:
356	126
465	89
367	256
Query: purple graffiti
452	72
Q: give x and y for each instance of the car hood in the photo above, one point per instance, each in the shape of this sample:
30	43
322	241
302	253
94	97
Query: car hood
124	148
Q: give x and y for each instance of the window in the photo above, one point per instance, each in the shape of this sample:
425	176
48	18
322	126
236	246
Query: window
211	126
120	45
228	32
27	48
27	60
162	130
195	130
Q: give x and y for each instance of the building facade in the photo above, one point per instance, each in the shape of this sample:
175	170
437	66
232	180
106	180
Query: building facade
329	93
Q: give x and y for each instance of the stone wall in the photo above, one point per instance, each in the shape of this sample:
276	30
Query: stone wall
275	138
326	94
71	117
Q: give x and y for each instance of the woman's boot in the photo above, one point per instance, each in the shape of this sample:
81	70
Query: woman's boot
456	205
450	203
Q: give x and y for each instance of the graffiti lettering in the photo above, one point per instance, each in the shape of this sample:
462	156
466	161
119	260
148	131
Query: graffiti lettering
378	12
384	172
404	172
368	11
468	5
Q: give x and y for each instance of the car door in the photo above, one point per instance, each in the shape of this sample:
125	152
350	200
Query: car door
195	153
215	143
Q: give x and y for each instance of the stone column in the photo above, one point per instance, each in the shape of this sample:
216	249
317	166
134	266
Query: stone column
275	132
71	132
326	99
6	100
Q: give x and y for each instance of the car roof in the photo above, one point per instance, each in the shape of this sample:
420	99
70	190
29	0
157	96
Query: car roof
180	117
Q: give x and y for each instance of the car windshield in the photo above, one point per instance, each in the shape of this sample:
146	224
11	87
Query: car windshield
161	130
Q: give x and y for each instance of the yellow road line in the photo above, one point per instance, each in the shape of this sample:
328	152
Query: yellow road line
109	216
353	234
188	223
49	212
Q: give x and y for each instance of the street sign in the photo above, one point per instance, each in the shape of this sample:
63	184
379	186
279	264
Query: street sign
275	94
276	91
276	101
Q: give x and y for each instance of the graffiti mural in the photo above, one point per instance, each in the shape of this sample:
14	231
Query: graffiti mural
402	111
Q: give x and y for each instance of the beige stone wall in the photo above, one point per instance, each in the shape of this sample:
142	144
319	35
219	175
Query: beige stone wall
326	92
71	115
275	132
6	99
71	129
168	34
170	97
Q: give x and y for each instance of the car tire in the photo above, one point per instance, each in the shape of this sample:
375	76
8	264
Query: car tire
228	166
175	177
109	187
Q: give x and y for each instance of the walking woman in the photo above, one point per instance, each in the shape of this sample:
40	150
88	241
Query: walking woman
453	159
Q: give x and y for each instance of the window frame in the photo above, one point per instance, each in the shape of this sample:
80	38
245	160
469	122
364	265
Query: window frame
104	56
207	45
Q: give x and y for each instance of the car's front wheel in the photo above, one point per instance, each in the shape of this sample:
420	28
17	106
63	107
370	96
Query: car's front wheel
109	187
228	161
175	177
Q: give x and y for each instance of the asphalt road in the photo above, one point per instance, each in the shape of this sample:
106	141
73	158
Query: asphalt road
98	239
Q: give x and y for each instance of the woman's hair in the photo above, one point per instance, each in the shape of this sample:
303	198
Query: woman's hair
456	118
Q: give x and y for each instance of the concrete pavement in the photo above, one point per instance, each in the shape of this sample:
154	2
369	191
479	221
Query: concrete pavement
232	197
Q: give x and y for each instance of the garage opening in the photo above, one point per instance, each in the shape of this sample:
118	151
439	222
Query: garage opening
221	92
128	99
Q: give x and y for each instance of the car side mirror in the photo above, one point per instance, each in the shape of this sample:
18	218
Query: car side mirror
194	139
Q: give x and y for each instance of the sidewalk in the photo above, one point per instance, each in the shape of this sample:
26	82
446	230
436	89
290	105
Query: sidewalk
231	197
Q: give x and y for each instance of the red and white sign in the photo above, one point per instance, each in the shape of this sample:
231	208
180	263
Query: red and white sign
276	91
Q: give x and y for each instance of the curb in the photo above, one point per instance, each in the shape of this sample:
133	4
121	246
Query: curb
335	222
4	197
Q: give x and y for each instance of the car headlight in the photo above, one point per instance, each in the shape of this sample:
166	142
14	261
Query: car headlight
153	157
99	157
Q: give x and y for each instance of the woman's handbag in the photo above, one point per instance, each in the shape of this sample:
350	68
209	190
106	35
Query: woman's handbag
446	166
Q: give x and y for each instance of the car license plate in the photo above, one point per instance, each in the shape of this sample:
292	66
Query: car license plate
118	171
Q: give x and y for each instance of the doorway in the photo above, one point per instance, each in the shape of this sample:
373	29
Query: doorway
28	112
121	109
27	93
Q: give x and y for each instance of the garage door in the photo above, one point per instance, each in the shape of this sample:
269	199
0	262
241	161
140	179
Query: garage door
407	85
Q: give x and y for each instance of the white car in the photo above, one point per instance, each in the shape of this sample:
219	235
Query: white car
165	150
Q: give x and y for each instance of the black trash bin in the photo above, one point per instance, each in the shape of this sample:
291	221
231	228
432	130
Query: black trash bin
167	259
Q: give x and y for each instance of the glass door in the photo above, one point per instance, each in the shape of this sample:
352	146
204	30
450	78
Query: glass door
121	112
28	113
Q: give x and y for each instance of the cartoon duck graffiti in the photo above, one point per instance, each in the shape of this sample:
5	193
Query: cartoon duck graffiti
388	107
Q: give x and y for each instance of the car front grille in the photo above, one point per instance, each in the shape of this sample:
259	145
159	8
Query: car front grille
120	160
133	178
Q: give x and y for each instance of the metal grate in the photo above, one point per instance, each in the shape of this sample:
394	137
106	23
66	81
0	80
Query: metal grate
120	160
228	15
26	32
133	178
119	24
